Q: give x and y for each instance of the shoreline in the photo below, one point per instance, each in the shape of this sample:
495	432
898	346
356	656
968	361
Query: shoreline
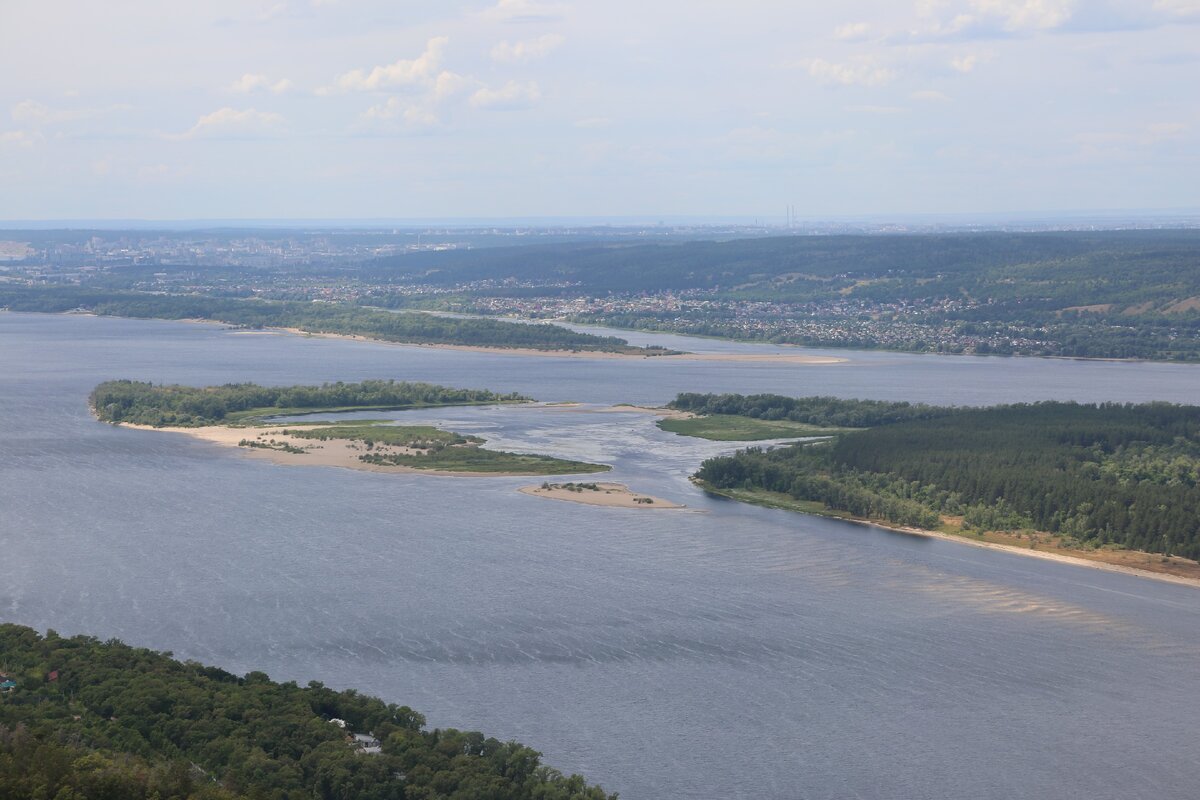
1045	555
608	495
780	358
341	453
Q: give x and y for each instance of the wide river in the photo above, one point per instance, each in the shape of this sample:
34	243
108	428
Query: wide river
723	651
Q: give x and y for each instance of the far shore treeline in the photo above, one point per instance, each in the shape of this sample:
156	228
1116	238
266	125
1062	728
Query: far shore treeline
143	403
1096	475
313	317
81	718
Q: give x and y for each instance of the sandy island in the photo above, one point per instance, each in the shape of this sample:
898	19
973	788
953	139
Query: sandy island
331	453
613	495
770	358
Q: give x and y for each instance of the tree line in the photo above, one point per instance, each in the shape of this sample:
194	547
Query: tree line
143	403
1098	474
827	412
92	720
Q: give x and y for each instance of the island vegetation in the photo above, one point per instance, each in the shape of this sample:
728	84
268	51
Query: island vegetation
82	719
159	405
1115	476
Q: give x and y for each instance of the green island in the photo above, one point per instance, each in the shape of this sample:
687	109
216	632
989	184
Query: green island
1114	481
82	719
320	318
143	403
240	414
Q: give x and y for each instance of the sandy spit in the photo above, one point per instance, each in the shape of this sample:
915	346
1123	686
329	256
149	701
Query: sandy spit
333	453
771	358
612	495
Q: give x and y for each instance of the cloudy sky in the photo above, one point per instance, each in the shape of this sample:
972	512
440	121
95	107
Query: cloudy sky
163	109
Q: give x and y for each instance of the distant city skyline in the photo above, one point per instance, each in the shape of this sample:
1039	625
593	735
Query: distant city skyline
535	110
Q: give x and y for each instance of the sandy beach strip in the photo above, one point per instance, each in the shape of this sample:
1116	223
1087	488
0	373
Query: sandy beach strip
1045	555
342	453
657	411
611	495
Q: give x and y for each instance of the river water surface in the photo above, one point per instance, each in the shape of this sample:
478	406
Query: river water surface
723	651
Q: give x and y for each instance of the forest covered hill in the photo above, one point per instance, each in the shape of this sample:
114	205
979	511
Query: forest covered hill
82	719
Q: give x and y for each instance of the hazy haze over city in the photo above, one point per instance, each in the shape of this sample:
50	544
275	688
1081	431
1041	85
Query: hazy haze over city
358	108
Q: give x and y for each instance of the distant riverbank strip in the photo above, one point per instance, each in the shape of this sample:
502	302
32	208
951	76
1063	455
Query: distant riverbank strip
320	318
358	323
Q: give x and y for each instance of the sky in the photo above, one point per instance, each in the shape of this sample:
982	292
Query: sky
257	109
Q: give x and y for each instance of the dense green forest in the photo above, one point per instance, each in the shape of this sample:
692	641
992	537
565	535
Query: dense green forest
82	719
826	412
143	403
1098	475
336	318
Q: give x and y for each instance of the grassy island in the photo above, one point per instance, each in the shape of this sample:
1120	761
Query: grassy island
85	719
1099	478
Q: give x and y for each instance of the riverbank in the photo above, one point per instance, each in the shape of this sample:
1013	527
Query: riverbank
1128	562
611	495
781	358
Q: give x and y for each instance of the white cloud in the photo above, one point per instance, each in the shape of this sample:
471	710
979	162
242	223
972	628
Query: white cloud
527	50
930	96
965	63
31	112
395	108
1181	8
524	11
255	82
862	73
592	122
851	31
20	138
993	18
422	70
511	95
1019	15
232	121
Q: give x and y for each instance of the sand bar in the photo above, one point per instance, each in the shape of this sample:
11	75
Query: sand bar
658	411
330	453
769	358
612	495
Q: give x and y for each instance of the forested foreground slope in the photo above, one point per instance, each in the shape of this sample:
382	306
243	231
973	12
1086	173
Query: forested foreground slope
82	719
1114	475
